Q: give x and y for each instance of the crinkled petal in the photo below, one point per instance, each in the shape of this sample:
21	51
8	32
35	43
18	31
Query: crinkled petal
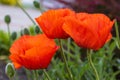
51	22
33	52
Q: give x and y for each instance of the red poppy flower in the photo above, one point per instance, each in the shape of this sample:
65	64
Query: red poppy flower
89	30
51	22
32	52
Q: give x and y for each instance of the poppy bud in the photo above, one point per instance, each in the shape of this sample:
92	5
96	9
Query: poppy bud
36	4
7	19
13	35
37	29
26	31
10	70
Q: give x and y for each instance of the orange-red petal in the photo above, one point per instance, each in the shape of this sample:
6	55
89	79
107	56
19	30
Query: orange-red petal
89	30
33	52
38	57
51	22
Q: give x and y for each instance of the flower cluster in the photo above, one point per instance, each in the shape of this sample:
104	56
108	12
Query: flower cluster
90	31
87	30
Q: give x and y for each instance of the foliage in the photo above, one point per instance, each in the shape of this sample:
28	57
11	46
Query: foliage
4	43
103	59
4	38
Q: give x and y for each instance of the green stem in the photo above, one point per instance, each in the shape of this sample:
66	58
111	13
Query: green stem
65	61
114	75
89	56
26	12
68	48
35	73
117	33
27	74
45	72
68	44
9	34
